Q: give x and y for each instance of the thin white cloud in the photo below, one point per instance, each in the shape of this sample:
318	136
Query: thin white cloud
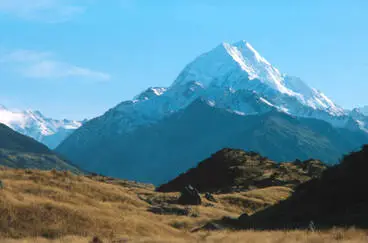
54	69
43	10
25	56
42	65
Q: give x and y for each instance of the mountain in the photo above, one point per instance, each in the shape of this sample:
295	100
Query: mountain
363	110
32	123
159	152
236	170
19	151
339	198
228	97
238	67
225	77
359	120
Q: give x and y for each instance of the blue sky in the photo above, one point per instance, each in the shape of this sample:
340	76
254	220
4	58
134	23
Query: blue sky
78	58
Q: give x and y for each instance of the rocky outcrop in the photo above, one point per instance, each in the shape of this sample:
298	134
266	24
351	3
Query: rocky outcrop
232	170
190	196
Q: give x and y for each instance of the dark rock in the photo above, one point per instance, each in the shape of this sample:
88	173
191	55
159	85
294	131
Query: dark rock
212	226
244	216
244	219
1	185
226	223
209	205
210	197
96	240
229	220
190	196
314	168
169	210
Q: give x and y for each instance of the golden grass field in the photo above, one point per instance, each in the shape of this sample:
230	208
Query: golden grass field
331	236
40	206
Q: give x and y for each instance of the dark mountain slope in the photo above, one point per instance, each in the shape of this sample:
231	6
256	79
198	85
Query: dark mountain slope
159	152
19	151
12	140
236	170
338	198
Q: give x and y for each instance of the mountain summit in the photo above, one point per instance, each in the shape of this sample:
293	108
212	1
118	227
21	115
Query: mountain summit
232	77
237	78
231	97
240	67
240	60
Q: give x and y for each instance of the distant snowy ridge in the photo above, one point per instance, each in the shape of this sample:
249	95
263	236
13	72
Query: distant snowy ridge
33	124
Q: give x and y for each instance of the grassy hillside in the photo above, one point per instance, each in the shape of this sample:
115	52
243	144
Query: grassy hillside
12	140
19	151
14	159
57	204
51	206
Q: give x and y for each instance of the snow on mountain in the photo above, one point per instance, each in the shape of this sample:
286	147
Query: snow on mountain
234	77
150	93
241	67
33	124
360	118
228	97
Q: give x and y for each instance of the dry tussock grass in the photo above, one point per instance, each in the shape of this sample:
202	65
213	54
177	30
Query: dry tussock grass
56	204
51	207
332	236
255	200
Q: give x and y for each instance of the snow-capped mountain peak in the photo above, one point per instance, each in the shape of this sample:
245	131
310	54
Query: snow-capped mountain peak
32	123
240	67
227	59
230	96
232	77
256	66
